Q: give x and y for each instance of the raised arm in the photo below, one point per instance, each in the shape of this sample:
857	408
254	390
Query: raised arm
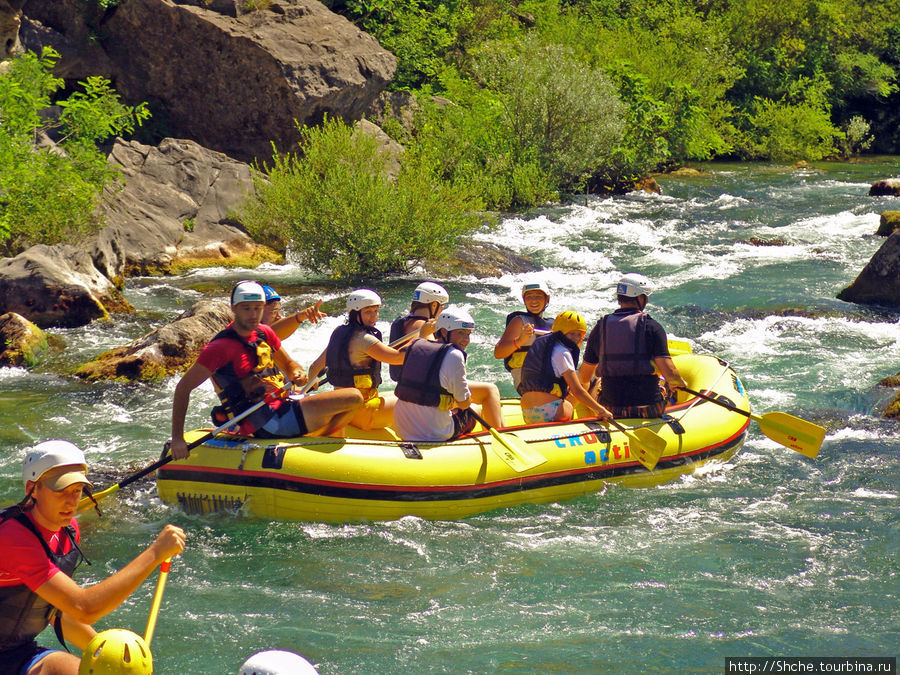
193	378
87	605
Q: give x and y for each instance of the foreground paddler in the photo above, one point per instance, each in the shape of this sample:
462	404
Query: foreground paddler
354	356
434	392
625	349
246	362
520	329
40	540
549	374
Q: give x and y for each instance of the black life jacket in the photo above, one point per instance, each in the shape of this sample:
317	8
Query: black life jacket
238	394
341	372
537	371
420	379
623	345
398	330
23	613
517	358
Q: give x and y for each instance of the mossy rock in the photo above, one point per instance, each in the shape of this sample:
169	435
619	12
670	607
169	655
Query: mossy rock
893	409
890	221
22	342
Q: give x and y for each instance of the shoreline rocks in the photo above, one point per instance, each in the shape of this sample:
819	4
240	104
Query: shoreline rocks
888	186
162	352
231	81
21	342
879	281
57	286
175	209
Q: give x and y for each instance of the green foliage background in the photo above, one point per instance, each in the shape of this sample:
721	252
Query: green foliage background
49	194
670	81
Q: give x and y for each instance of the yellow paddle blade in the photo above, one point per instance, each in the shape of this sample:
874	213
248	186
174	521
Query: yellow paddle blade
647	446
514	451
677	347
792	432
86	502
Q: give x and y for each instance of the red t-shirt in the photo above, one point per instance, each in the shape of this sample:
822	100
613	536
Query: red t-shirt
24	560
221	352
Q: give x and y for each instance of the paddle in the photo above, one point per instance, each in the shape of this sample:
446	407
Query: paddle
791	432
646	443
513	450
157	600
677	347
86	502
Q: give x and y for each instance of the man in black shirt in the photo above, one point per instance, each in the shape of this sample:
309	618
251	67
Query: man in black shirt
623	349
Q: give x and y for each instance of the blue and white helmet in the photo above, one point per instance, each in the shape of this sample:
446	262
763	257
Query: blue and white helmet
455	318
428	292
632	285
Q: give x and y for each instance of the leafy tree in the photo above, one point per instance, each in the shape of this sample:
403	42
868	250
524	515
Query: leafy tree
467	143
49	193
335	207
559	110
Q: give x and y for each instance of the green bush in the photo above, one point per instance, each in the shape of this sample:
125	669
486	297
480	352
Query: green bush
783	132
335	207
558	110
50	194
468	144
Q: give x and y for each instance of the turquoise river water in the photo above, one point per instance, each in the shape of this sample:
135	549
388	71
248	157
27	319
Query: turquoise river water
770	554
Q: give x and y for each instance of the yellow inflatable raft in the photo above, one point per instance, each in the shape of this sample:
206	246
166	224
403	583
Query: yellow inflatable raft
375	476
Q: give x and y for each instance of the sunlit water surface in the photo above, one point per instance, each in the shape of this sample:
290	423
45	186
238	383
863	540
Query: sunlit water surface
769	554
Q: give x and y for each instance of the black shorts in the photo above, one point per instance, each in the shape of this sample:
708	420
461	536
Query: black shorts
463	422
290	427
13	660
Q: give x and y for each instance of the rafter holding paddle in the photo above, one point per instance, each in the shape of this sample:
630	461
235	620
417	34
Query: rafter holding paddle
86	502
791	432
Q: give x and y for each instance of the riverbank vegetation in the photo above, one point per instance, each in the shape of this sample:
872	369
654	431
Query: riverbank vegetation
517	103
52	172
559	95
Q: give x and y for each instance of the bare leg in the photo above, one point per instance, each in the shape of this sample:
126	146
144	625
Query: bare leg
330	411
487	396
369	417
57	663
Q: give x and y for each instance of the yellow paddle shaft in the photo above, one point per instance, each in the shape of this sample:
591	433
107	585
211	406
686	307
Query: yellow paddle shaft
157	600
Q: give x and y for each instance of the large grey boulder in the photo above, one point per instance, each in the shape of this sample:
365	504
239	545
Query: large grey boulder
175	209
57	286
232	83
879	282
164	351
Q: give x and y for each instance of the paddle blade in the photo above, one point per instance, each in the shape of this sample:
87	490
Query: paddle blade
649	448
677	347
792	432
514	451
86	502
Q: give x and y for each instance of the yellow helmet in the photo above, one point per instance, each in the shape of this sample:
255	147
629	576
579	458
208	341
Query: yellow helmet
115	652
569	321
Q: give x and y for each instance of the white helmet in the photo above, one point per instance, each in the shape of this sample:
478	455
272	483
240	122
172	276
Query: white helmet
429	292
52	454
455	318
362	297
632	285
277	662
536	286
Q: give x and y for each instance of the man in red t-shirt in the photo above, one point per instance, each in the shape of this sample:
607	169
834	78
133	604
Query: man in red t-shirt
245	362
39	539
